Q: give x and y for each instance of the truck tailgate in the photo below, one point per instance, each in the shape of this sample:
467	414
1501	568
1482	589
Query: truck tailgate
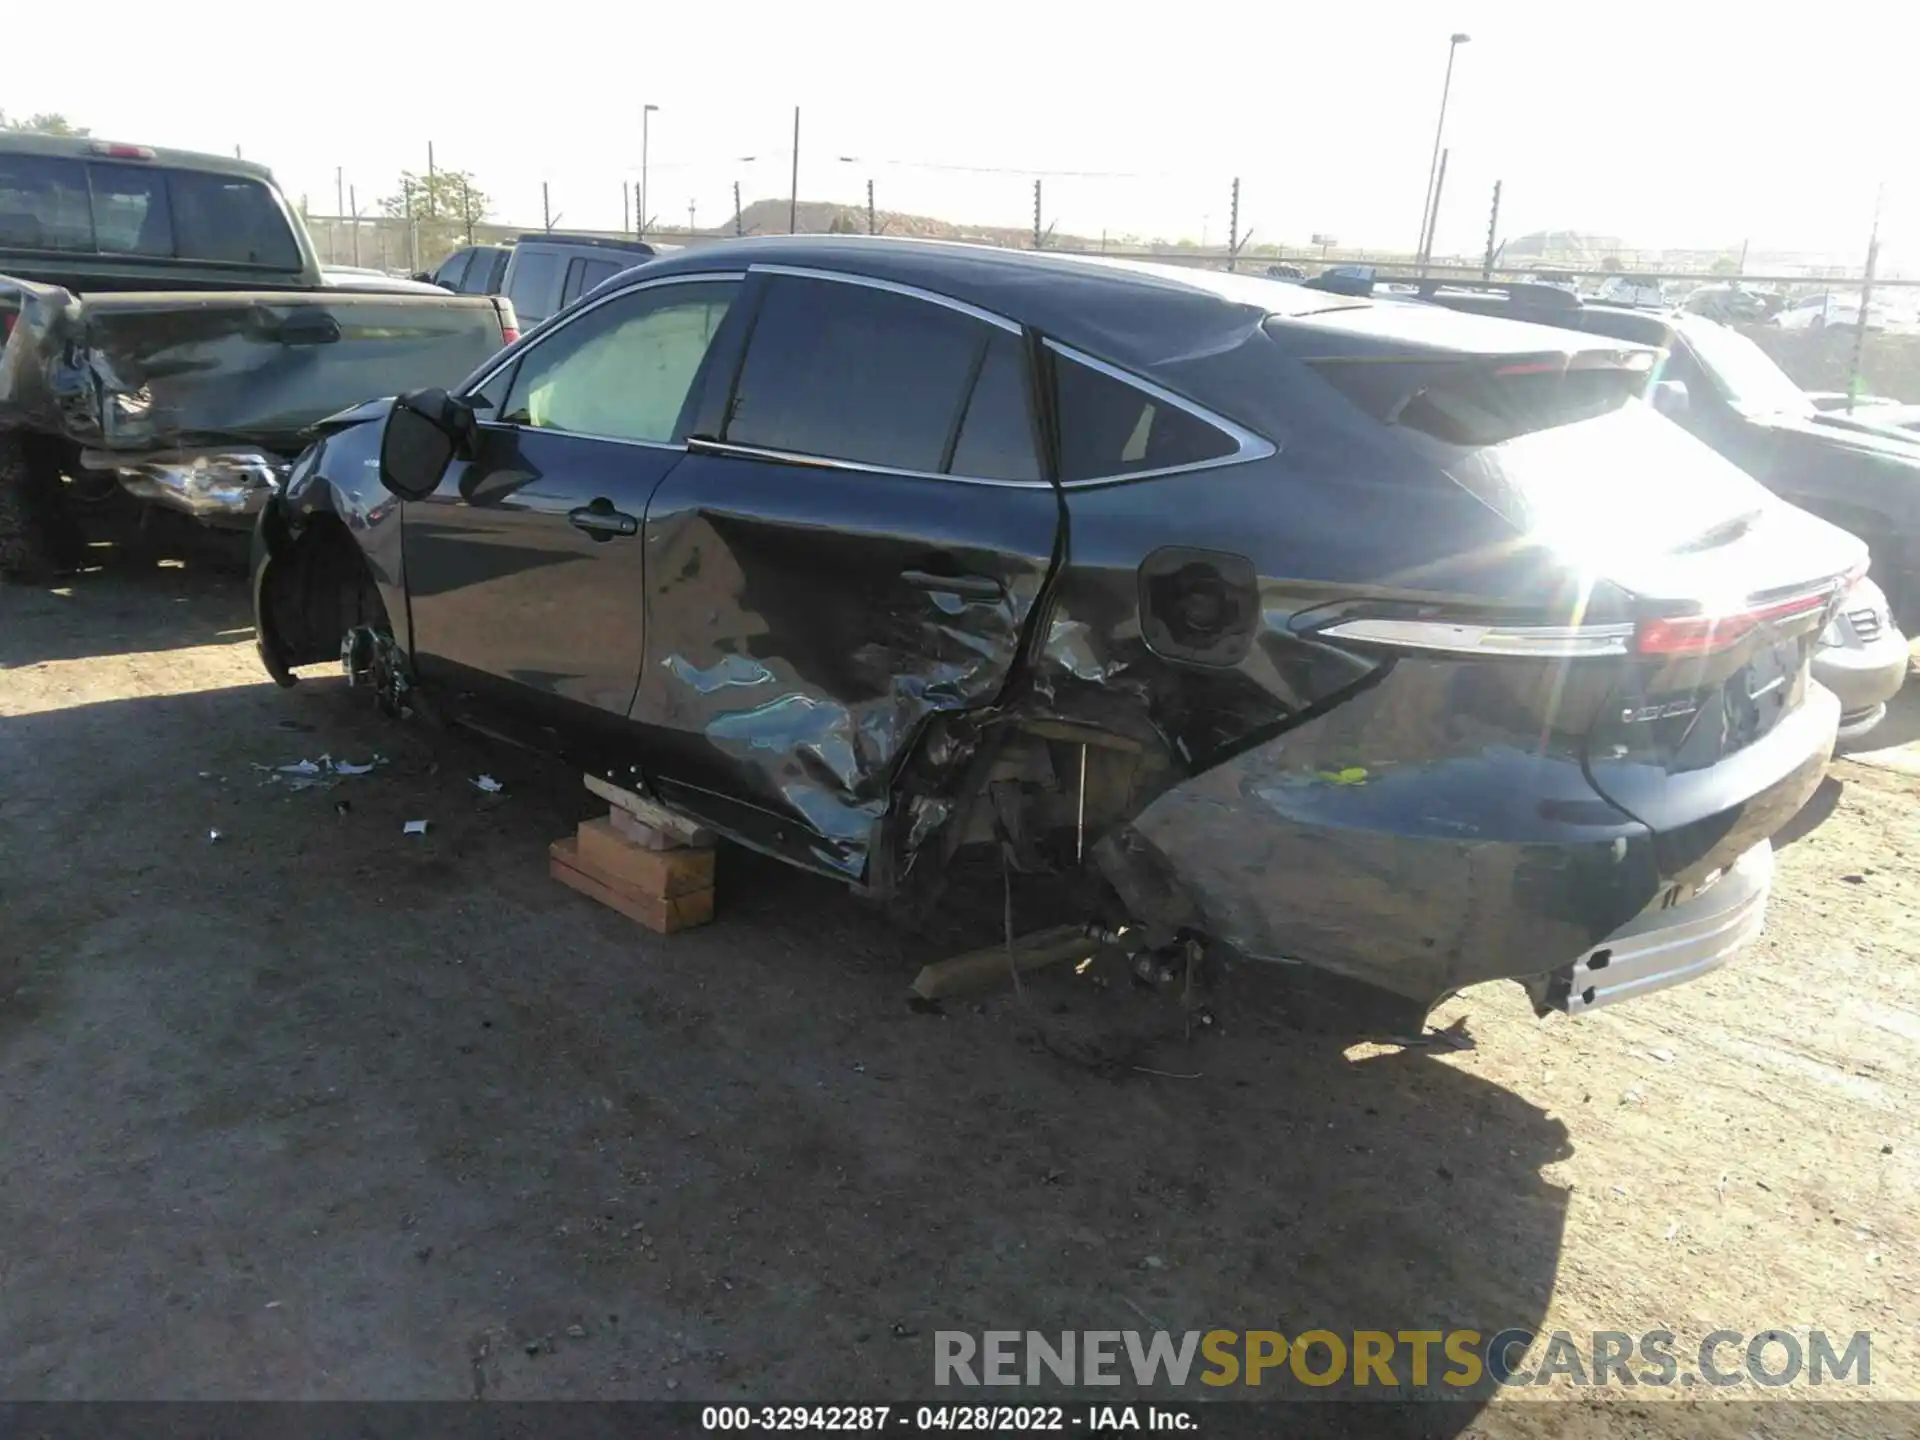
148	370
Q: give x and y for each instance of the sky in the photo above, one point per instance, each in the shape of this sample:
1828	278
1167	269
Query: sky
1688	124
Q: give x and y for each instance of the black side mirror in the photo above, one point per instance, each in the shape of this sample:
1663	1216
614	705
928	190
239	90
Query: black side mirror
424	431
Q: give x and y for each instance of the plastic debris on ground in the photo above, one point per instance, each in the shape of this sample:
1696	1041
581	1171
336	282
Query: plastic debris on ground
487	784
323	773
414	827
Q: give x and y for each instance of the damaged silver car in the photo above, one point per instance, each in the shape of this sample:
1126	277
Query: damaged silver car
1374	641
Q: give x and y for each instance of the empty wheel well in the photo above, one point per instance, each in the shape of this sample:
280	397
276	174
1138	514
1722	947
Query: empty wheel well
314	593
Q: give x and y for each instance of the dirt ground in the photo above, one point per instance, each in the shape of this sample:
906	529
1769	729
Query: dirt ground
317	1109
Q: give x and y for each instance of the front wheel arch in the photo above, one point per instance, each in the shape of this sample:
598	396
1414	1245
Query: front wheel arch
315	591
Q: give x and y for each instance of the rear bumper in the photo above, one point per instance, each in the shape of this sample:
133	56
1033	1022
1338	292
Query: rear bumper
219	487
1668	946
1426	877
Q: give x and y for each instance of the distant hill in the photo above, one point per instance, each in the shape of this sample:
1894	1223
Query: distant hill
821	217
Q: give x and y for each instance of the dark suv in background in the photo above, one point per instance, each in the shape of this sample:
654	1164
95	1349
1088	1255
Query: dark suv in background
548	272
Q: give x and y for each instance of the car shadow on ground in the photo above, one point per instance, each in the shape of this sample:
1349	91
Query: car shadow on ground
343	1112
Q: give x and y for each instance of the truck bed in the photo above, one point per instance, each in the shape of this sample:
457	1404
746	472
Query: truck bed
142	371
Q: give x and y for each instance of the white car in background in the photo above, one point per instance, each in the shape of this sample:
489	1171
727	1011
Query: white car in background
1842	308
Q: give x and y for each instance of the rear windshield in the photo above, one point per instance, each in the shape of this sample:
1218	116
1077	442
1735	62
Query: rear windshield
1475	402
72	206
1571	456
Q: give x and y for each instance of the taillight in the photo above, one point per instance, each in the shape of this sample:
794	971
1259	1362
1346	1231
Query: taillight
1691	635
121	152
509	334
1569	642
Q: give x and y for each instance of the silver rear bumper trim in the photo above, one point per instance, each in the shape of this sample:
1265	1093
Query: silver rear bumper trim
1666	947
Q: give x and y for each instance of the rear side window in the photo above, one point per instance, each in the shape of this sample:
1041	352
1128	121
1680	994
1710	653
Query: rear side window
483	277
850	372
584	275
1474	402
1111	428
54	203
533	284
996	434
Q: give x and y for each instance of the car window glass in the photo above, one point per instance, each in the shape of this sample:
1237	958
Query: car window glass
130	214
532	288
996	435
850	372
44	204
623	369
570	287
483	276
1108	427
595	273
453	269
229	220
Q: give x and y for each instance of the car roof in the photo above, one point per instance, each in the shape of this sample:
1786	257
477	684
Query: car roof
89	147
1149	316
595	242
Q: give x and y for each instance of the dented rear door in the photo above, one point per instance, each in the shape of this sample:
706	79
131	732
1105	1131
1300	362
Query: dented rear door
855	542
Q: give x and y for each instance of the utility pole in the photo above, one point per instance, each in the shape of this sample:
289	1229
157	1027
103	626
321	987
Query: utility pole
691	227
626	213
1433	216
546	210
872	227
1866	300
1233	227
353	205
1743	256
1036	215
1493	229
431	187
413	232
738	223
793	195
640	208
236	153
1454	42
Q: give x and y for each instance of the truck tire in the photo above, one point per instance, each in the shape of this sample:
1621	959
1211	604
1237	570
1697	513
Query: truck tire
39	539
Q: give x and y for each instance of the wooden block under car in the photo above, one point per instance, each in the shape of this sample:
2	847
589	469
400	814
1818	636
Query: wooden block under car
650	813
664	874
662	915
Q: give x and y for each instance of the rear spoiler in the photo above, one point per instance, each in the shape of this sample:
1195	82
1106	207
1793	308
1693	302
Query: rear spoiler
1361	280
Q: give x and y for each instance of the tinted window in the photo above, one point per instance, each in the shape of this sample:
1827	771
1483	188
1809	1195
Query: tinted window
130	211
595	273
533	277
1478	402
622	370
229	221
996	435
1108	427
50	203
453	269
484	276
849	372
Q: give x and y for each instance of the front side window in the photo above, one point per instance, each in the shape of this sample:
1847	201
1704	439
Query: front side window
453	269
1109	428
850	372
622	370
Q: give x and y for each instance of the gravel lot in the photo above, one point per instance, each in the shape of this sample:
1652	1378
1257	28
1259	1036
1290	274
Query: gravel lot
319	1110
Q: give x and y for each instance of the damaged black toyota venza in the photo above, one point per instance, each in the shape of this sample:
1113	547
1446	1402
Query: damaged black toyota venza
1403	648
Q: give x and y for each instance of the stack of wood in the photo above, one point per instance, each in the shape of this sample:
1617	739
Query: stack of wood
642	859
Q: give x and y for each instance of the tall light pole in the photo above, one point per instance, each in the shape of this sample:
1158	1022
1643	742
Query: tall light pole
640	220
1454	43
